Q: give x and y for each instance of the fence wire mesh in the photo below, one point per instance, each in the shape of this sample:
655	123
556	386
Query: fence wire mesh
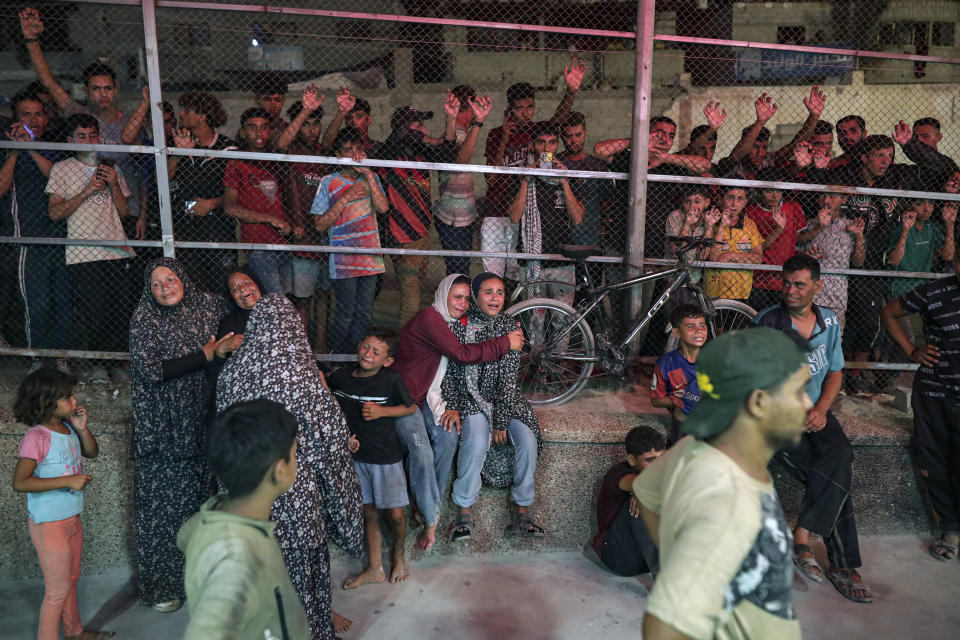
512	85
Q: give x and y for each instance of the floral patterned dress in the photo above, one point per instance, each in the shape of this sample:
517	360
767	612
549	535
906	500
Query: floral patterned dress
169	389
275	362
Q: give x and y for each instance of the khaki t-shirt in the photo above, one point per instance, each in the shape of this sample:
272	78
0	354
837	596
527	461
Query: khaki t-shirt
725	548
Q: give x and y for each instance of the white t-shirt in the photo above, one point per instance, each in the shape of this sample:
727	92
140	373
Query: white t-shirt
726	552
95	218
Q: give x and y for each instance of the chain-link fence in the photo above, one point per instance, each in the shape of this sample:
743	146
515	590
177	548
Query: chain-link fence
401	141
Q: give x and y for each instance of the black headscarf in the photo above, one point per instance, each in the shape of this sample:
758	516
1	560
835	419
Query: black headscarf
169	414
236	318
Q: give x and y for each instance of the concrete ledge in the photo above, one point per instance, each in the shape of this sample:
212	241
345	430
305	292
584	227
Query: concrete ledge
582	440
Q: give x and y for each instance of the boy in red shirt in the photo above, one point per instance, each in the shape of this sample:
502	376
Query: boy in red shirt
254	193
779	222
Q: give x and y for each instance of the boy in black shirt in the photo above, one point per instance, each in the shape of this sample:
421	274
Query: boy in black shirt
372	396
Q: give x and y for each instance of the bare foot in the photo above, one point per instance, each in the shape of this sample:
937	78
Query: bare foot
399	572
369	575
341	624
427	537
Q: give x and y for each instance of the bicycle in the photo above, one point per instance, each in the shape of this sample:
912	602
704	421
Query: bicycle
561	349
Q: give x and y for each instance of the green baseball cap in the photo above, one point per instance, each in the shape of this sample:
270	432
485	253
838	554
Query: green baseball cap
731	367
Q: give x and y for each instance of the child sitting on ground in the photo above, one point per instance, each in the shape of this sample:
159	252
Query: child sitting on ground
623	542
674	382
236	582
49	470
372	396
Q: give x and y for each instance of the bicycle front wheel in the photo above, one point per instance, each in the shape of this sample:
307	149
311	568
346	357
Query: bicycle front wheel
730	315
557	356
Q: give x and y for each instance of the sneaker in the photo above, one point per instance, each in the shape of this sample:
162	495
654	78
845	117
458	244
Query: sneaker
168	607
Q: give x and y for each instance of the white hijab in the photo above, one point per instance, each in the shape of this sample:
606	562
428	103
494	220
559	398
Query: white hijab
434	397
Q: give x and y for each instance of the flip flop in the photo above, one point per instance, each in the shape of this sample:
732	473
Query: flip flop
523	527
842	579
807	565
938	549
462	527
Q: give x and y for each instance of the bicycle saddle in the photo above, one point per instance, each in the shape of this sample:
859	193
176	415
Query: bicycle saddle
580	252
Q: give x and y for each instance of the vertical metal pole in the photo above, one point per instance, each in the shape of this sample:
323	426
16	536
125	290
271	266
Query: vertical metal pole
637	203
156	120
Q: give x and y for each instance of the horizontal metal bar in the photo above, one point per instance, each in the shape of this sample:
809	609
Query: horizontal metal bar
749	44
85	242
514	26
69	146
482	168
390	17
825	271
346	357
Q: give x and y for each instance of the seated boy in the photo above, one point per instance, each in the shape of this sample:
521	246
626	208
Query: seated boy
372	397
623	542
237	584
674	382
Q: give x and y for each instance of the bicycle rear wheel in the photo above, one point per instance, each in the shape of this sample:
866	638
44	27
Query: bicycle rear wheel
556	360
730	315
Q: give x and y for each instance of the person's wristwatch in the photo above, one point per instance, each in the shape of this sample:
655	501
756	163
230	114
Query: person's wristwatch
476	123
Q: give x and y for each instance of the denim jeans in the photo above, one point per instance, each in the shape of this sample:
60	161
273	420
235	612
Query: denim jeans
354	309
430	452
455	239
475	441
273	268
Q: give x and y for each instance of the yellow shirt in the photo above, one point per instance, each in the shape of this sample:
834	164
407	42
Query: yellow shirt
726	552
734	283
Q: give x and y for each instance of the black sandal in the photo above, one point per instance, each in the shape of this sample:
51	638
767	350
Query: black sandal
523	527
462	527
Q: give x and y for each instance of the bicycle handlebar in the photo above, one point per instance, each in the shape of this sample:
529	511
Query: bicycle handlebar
691	242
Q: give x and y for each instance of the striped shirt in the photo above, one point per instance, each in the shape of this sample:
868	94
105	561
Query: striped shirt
939	303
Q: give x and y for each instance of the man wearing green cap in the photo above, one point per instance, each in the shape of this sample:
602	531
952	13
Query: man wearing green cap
709	502
823	460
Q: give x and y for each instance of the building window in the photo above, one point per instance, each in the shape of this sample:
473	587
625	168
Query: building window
942	34
791	34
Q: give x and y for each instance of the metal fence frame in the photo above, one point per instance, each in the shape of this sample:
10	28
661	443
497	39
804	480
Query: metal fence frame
634	257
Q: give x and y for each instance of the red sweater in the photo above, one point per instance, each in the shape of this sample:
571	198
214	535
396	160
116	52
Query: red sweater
424	339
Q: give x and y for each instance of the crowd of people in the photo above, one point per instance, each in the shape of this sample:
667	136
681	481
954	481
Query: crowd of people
353	207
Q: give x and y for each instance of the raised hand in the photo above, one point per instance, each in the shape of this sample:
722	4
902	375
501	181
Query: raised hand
481	107
907	219
952	185
30	23
765	107
79	418
816	101
712	217
312	98
821	160
183	138
451	105
779	217
346	101
856	226
902	133
18	133
714	114
802	155
573	73
949	213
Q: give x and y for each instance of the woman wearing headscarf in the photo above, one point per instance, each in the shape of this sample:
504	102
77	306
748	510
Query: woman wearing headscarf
500	435
426	344
275	362
171	340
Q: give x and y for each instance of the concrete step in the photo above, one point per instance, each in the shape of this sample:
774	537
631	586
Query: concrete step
582	439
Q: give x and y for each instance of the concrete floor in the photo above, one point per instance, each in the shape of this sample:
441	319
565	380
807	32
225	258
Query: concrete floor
561	595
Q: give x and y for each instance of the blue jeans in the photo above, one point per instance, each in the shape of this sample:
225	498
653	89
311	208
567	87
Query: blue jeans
273	268
430	452
475	441
455	239
354	309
